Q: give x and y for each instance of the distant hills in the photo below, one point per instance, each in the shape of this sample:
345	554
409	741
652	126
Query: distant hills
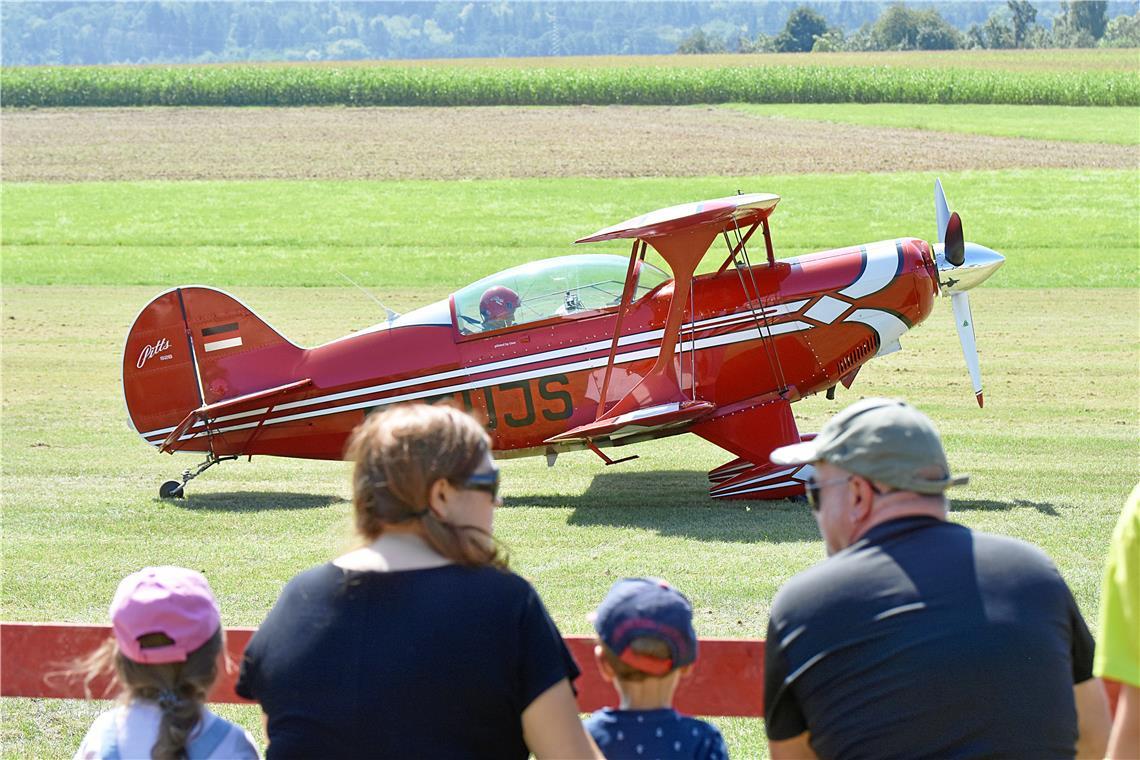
88	33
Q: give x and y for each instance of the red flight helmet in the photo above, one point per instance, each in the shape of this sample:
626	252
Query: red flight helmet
498	303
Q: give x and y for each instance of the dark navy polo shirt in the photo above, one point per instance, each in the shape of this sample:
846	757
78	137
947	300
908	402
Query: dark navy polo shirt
926	639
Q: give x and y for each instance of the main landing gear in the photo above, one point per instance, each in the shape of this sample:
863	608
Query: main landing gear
173	489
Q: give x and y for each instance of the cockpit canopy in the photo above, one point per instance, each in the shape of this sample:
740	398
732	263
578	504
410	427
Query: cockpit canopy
559	287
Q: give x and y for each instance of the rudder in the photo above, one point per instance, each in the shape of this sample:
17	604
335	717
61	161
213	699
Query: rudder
192	346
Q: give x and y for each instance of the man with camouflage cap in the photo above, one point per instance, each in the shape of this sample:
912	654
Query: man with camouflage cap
918	637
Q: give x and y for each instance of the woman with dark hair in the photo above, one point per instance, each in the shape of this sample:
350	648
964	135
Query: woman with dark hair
420	643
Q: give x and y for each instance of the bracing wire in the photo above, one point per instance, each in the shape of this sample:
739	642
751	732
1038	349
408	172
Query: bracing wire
764	329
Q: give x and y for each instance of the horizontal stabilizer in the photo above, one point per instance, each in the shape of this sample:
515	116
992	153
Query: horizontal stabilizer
230	406
649	419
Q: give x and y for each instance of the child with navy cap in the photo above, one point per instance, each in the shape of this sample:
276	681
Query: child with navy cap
646	643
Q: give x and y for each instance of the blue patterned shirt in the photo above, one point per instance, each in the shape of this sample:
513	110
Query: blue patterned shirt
645	734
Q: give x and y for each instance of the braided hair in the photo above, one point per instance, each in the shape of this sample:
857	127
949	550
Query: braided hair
178	688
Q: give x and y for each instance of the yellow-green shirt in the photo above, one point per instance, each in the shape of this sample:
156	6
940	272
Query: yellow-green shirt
1118	640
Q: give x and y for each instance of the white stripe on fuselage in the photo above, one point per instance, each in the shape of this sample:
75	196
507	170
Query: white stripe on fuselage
883	263
888	326
751	333
723	321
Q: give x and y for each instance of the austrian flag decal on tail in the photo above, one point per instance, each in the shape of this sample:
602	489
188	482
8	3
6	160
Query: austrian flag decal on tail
221	336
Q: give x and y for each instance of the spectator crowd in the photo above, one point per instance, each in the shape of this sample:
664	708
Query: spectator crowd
916	637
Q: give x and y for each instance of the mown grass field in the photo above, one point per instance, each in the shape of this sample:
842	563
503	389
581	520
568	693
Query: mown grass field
425	234
1052	455
1049	456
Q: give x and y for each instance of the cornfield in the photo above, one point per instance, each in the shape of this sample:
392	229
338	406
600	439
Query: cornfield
301	85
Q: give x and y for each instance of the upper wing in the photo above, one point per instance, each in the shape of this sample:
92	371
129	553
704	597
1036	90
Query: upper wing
724	213
682	236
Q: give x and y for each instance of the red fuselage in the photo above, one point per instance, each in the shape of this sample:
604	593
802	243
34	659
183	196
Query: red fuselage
819	318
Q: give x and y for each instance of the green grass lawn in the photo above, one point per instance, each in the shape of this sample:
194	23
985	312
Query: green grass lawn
1058	228
1052	455
1084	124
1049	455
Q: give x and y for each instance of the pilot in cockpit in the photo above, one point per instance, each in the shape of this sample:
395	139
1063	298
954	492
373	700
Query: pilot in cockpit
497	307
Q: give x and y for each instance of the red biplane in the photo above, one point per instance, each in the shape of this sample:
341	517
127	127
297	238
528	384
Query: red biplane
578	352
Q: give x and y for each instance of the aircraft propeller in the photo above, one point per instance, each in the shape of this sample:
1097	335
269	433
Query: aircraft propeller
961	266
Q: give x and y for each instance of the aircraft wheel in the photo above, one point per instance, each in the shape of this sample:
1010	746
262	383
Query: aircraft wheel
171	489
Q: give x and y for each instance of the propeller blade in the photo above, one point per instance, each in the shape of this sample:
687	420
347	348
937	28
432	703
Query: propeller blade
955	245
964	321
941	211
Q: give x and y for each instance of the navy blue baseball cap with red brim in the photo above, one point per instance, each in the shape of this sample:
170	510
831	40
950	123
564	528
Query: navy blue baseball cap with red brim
647	608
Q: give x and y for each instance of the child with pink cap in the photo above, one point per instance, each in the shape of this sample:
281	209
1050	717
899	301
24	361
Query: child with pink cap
167	641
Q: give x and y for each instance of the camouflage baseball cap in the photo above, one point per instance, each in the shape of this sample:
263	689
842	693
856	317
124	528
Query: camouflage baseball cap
880	439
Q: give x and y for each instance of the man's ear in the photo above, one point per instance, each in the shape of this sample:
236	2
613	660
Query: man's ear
687	670
603	664
865	498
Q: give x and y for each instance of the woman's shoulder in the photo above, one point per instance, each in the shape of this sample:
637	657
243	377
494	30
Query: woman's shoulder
304	589
463	576
317	577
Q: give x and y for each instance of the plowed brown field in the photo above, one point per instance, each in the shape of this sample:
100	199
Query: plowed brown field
76	145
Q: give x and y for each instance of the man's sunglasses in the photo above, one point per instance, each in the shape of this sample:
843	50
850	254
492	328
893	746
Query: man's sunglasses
812	488
488	482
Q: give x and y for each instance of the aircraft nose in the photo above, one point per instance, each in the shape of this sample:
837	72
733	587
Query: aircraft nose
980	262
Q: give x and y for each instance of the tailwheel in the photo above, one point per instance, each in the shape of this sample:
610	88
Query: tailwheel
171	489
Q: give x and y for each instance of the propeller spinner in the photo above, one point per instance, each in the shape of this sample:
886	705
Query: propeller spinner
961	266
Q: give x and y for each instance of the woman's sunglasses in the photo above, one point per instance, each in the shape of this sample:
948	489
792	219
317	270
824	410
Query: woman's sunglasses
487	482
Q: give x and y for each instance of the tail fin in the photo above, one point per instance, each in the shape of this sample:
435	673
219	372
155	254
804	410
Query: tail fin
192	346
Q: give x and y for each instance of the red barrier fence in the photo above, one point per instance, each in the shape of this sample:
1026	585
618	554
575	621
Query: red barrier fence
728	678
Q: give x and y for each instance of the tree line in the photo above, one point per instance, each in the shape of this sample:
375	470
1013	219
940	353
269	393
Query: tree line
87	33
1078	24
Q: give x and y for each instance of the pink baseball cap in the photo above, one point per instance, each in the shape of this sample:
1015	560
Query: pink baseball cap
171	607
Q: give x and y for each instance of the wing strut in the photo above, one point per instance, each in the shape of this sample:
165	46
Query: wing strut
657	401
681	235
682	251
626	299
